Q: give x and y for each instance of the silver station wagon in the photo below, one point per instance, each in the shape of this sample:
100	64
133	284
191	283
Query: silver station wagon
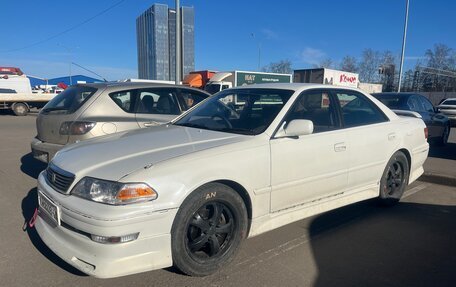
85	111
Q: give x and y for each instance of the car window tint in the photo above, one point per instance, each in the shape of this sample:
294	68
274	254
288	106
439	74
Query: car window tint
317	107
427	106
157	101
191	98
449	102
124	100
414	104
357	110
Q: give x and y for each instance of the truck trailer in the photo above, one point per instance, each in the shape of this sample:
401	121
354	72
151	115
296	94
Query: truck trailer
225	80
326	76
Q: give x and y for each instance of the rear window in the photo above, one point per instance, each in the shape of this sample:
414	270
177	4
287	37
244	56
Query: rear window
69	100
449	102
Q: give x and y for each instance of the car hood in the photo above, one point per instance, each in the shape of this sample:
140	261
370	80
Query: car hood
115	156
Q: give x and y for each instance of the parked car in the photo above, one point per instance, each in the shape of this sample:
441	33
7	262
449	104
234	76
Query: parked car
85	111
244	161
448	108
438	123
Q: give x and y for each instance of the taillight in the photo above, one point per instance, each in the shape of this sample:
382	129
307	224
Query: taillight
426	133
76	128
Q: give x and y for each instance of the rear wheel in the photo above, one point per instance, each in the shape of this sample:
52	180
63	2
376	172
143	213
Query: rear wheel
443	140
208	230
394	179
20	109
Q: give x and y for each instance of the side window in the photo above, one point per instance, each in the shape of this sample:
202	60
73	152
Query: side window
190	98
225	87
157	101
124	99
414	104
317	107
427	106
357	110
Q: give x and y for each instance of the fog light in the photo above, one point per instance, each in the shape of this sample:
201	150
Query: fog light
114	239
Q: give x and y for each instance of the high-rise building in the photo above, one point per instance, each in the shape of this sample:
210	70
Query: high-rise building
156	40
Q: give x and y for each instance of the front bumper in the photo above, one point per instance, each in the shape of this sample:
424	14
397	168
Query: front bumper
43	151
69	240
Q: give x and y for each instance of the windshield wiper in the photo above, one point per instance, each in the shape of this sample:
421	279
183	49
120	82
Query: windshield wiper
236	131
54	109
190	125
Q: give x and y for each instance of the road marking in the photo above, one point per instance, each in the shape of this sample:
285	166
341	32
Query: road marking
415	189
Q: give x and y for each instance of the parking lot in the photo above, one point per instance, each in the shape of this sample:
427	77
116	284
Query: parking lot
411	244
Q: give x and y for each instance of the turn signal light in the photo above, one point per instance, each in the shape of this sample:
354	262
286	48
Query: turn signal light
114	239
136	192
426	133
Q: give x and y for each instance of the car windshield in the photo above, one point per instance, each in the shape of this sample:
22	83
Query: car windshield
391	101
240	111
69	100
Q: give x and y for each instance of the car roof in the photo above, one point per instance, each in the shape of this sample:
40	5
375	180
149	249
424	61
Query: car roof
294	86
136	85
396	94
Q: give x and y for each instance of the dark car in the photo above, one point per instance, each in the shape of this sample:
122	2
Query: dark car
437	123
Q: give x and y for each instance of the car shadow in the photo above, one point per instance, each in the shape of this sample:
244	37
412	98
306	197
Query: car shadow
28	205
31	166
368	245
445	152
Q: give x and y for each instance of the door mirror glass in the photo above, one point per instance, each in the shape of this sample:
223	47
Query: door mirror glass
296	128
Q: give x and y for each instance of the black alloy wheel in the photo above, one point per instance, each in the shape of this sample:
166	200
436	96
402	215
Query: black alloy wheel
208	229
394	179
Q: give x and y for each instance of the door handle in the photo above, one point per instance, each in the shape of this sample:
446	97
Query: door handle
339	147
151	124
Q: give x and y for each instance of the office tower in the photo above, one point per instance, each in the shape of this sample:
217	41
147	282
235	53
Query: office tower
156	40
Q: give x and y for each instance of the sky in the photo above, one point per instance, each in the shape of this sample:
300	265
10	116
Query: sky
43	37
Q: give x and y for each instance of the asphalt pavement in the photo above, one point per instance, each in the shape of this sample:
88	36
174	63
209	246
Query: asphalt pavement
410	244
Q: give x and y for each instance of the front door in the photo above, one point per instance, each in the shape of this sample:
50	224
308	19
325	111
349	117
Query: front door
311	167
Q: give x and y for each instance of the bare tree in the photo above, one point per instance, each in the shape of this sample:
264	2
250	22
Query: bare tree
349	64
369	65
325	63
388	68
283	66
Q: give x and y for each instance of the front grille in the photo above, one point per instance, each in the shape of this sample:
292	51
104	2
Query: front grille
59	179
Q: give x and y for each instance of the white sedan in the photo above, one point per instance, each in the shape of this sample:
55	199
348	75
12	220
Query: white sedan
245	161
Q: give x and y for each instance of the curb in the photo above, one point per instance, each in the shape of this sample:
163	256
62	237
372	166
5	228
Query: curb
438	179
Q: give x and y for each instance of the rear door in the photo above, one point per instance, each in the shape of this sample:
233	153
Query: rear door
370	138
156	106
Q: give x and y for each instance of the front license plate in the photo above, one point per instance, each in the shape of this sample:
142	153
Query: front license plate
49	207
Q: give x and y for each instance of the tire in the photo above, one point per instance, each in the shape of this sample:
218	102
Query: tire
208	230
394	179
20	109
443	140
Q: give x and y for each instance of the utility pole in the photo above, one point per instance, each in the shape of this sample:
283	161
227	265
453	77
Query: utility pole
70	55
178	43
403	45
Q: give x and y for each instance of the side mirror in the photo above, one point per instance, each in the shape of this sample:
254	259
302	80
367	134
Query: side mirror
296	128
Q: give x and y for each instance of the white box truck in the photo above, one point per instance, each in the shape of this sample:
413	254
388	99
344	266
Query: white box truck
16	92
224	80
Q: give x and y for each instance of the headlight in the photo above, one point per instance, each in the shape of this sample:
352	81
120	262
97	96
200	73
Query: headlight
76	128
114	193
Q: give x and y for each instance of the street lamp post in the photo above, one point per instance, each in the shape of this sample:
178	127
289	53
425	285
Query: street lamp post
259	52
178	43
403	45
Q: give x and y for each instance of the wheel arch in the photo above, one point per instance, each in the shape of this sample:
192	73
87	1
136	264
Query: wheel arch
406	152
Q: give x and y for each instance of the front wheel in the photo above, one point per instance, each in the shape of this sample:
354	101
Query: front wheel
20	109
208	230
394	179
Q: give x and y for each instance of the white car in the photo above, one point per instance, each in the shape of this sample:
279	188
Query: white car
242	162
448	108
